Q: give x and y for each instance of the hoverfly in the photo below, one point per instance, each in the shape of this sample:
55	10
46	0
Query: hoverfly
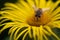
39	11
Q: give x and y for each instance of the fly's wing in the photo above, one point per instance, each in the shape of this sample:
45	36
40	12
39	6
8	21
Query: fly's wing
45	9
35	8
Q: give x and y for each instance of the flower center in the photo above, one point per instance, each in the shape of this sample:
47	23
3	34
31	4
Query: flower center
39	18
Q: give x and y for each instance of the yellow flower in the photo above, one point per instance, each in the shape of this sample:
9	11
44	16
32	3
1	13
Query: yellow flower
34	18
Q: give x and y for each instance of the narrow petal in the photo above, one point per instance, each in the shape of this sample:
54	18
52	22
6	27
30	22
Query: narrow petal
52	33
21	33
41	33
25	35
8	25
54	6
49	4
46	38
37	3
10	30
55	12
34	33
30	34
42	3
11	35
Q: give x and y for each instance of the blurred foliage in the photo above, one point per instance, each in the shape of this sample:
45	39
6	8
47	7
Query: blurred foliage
4	1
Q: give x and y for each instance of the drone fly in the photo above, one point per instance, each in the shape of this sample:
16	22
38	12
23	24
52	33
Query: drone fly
39	11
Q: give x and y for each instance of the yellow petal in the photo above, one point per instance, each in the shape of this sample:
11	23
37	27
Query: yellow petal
21	33
42	3
52	33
